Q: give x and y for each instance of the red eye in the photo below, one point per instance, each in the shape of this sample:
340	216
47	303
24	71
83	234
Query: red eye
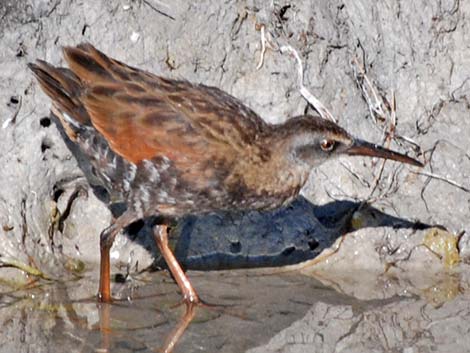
327	145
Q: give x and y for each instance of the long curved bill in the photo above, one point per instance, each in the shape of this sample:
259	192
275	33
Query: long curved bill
364	148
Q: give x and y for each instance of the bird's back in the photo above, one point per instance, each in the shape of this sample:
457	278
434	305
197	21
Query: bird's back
155	143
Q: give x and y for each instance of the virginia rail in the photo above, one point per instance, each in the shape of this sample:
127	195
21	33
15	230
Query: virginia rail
169	147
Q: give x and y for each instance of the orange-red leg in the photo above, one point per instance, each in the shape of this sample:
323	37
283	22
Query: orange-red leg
161	238
104	292
106	242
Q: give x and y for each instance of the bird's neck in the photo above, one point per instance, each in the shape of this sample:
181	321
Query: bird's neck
277	177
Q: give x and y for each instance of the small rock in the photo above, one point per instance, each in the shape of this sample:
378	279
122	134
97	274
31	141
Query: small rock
135	37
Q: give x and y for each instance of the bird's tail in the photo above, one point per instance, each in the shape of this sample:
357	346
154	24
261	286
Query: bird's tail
64	89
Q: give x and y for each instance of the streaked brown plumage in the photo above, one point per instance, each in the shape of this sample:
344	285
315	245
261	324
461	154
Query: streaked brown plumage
166	147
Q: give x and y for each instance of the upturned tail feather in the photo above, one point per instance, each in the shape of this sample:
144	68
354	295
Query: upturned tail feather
61	86
64	86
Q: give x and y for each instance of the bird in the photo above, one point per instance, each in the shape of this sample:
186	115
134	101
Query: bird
166	148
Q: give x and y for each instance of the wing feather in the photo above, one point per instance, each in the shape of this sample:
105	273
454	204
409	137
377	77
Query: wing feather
144	116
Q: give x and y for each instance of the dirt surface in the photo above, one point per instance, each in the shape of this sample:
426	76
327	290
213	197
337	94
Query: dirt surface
358	59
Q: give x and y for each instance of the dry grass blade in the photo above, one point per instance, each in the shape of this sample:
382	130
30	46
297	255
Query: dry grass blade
32	271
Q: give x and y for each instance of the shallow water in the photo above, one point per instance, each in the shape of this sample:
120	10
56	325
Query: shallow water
253	311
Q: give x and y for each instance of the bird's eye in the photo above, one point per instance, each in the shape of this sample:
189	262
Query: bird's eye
327	145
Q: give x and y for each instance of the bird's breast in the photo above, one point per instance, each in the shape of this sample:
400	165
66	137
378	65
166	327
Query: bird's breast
268	185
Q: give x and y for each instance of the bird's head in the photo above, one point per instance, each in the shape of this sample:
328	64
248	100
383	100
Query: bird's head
313	140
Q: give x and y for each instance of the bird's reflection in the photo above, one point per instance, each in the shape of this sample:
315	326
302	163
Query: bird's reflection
170	340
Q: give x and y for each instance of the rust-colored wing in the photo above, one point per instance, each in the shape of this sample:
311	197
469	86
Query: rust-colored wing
143	116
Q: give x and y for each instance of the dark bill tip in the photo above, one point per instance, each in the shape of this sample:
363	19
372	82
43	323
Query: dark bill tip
363	148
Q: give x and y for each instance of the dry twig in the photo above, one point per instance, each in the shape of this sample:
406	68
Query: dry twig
309	97
389	137
381	110
263	48
442	178
368	91
146	2
12	120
